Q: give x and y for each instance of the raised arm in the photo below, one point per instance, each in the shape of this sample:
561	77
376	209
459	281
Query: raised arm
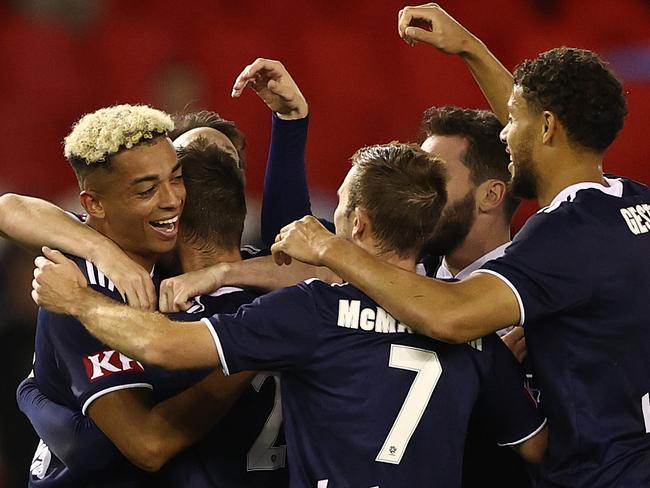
451	312
286	196
444	33
33	223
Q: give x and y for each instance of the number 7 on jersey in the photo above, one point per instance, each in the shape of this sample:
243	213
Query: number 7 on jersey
428	368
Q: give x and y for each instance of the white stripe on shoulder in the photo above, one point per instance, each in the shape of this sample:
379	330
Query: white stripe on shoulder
217	343
524	439
90	269
309	281
522	313
101	393
101	279
225	290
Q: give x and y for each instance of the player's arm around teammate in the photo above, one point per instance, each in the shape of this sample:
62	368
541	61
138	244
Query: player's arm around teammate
32	222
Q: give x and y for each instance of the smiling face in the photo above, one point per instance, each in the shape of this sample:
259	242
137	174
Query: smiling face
459	213
141	197
519	136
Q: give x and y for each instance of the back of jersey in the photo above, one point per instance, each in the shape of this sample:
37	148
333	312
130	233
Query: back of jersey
581	269
366	402
246	448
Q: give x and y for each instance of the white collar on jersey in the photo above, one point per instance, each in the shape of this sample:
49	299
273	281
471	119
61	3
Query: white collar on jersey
444	273
614	189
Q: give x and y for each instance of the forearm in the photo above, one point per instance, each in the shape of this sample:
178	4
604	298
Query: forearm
180	421
263	273
72	437
286	195
428	306
146	336
492	77
33	223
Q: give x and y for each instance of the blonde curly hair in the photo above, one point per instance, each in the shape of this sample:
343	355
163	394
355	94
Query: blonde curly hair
103	133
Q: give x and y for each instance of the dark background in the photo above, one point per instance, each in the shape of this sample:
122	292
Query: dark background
62	58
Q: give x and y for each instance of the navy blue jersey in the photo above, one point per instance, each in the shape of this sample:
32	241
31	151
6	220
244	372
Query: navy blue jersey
74	369
246	448
580	269
367	403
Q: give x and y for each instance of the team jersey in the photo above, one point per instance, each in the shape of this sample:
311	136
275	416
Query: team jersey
246	448
580	269
366	402
74	369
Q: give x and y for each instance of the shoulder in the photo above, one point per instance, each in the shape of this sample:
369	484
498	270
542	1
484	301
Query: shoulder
96	278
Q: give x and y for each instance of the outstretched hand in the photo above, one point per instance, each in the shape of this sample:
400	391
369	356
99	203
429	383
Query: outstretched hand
58	283
430	24
273	83
305	240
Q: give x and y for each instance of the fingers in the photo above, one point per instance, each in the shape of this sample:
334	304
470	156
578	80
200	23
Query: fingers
417	34
266	67
40	262
53	255
279	256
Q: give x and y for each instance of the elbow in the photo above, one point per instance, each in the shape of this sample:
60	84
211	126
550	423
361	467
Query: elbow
148	453
8	203
159	350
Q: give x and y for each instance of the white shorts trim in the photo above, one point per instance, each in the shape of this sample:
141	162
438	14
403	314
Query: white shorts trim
111	390
522	313
524	439
217	343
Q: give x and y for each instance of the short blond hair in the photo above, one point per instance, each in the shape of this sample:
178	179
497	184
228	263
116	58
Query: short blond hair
100	134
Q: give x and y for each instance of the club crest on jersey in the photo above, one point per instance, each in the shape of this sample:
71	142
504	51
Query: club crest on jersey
107	363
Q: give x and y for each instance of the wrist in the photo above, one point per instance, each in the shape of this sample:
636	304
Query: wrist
330	249
472	49
299	112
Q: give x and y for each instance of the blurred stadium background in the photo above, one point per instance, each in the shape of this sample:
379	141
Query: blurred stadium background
62	58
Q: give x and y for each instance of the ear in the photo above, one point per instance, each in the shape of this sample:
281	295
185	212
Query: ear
490	195
91	203
550	127
361	224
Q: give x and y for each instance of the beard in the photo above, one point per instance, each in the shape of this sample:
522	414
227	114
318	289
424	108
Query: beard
523	183
454	225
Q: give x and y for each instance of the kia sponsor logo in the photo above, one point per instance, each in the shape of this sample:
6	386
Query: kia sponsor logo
107	363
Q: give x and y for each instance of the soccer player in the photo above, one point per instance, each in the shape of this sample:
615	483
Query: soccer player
366	402
133	192
213	220
576	276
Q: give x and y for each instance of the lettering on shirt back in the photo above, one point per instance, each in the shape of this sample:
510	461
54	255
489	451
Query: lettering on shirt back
637	218
352	316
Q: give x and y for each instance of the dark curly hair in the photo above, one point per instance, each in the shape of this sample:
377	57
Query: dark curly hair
577	86
205	118
486	156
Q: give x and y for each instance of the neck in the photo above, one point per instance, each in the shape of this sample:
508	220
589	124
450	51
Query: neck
575	167
193	259
485	236
146	261
390	257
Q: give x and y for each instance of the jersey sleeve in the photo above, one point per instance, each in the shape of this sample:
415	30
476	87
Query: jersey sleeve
545	267
277	331
93	368
72	437
286	195
505	403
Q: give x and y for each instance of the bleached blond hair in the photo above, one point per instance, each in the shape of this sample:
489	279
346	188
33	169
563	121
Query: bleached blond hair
100	134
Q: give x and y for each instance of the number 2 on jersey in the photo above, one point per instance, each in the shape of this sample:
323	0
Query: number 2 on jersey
263	456
428	368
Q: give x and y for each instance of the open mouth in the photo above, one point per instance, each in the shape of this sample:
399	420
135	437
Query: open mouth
167	228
